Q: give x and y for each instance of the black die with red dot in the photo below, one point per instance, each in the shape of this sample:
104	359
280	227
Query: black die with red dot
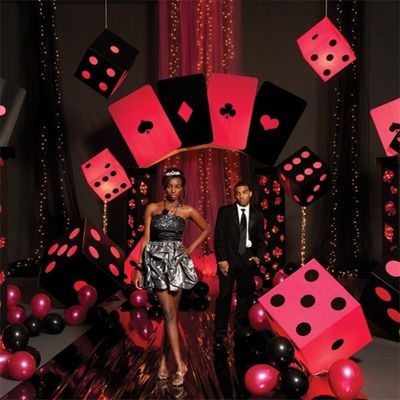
106	63
304	176
83	256
395	143
381	296
322	320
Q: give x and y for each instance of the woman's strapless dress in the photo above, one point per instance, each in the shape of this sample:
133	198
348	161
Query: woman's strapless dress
165	264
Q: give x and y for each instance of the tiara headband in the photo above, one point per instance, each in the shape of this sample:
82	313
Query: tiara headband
172	173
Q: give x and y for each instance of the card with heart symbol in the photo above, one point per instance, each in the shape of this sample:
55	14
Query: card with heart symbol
185	101
275	115
231	100
144	126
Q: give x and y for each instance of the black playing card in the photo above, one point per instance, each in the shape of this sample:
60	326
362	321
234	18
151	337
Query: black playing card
185	102
275	115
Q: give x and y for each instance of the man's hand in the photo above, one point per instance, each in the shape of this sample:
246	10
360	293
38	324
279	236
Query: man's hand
224	267
255	259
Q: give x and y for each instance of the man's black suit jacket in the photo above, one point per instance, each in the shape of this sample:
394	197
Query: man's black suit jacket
226	237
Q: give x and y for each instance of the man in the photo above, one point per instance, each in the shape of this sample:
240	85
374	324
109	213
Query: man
239	247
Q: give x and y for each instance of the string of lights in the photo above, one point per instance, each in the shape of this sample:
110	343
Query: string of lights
105	217
303	236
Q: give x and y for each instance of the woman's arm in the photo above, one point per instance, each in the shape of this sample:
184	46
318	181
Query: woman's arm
198	219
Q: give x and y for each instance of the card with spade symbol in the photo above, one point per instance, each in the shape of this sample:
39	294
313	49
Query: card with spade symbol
275	115
185	101
231	100
144	126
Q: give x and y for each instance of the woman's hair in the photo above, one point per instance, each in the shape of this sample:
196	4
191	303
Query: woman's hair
172	173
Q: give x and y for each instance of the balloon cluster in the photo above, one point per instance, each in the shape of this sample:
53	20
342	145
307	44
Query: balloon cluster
76	314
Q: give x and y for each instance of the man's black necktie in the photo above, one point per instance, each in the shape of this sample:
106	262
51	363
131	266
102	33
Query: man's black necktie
242	233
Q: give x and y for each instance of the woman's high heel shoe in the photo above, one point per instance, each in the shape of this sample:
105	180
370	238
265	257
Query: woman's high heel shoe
179	377
162	373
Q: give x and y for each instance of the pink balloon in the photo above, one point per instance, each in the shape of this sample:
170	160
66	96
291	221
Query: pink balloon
87	296
345	379
21	366
145	329
4	359
13	296
258	317
138	298
75	315
258	282
233	301
40	304
16	315
260	379
279	277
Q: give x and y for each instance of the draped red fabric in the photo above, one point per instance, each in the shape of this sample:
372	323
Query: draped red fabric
202	36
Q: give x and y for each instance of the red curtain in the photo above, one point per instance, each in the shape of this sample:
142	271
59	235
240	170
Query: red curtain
202	36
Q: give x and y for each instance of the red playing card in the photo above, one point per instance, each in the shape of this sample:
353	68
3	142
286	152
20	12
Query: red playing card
231	100
144	126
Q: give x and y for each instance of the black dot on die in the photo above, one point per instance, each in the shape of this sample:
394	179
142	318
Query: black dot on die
277	300
337	344
332	42
338	303
329	57
315	36
107	165
107	196
113	173
97	184
311	275
345	58
115	191
307	301
88	165
314	57
123	185
104	178
303	329
327	72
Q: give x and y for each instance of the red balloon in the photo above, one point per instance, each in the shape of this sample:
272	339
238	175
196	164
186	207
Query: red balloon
75	315
21	366
40	304
16	315
258	282
4	359
13	296
258	317
138	298
279	277
345	379
87	296
233	301
260	379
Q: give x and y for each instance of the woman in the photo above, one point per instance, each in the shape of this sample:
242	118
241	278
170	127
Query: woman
165	265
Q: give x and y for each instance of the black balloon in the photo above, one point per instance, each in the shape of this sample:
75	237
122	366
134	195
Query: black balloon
201	289
127	290
35	353
15	337
156	313
34	325
153	299
201	304
279	352
53	323
97	315
294	383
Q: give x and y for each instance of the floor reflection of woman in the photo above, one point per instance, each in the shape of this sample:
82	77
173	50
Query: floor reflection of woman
165	265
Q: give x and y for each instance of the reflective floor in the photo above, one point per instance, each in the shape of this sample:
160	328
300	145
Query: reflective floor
117	358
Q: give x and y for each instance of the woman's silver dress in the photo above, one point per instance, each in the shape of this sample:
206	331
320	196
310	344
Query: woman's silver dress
165	264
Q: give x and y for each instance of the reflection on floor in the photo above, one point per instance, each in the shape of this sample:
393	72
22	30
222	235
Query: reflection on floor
118	359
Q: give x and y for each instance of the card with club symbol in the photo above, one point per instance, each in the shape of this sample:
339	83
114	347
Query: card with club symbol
185	101
275	115
144	126
231	100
